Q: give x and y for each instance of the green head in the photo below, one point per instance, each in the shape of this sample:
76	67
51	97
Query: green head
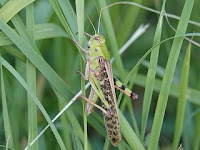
98	47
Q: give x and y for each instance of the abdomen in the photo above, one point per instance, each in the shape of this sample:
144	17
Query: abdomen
112	120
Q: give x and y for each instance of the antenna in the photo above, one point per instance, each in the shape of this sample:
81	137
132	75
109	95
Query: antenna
92	24
99	21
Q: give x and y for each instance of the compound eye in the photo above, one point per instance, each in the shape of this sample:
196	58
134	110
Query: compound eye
88	45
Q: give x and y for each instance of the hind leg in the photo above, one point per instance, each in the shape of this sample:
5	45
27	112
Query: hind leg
122	88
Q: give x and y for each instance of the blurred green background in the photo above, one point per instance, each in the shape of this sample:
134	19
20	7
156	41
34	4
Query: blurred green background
54	22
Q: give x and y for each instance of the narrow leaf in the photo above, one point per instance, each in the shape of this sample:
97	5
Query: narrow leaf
37	101
180	111
151	74
167	79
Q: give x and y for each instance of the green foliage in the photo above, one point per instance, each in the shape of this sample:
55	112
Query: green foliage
38	62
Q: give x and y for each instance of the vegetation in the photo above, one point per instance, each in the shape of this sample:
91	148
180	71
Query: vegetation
38	64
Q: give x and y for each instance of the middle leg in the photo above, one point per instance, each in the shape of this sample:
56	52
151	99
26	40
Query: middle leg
94	98
95	105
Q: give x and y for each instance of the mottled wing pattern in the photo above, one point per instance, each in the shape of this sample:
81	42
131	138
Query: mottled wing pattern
107	85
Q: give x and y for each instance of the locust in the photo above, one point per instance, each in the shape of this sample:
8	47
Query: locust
98	71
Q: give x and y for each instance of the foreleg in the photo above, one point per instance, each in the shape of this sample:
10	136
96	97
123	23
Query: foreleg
87	70
84	50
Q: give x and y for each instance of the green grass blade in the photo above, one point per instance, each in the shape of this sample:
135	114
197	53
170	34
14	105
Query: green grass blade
48	30
193	94
133	119
134	69
42	31
61	17
6	118
70	16
37	60
4	40
13	52
65	123
129	103
31	81
73	121
153	11
122	32
67	17
37	101
18	94
167	79
196	137
188	124
151	74
76	142
142	79
129	134
106	143
11	8
65	130
60	63
180	112
110	34
80	22
20	27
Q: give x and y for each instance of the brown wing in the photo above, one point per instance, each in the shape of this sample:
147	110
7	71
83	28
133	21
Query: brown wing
107	85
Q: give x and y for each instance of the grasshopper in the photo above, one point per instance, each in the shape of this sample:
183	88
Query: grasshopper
98	71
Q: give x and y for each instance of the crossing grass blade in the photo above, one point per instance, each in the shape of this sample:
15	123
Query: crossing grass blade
13	52
11	8
196	138
188	124
42	31
6	118
80	23
174	91
167	79
129	103
48	30
132	13
70	16
129	134
37	60
61	16
17	40
65	123
37	101
68	19
180	111
151	74
31	81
